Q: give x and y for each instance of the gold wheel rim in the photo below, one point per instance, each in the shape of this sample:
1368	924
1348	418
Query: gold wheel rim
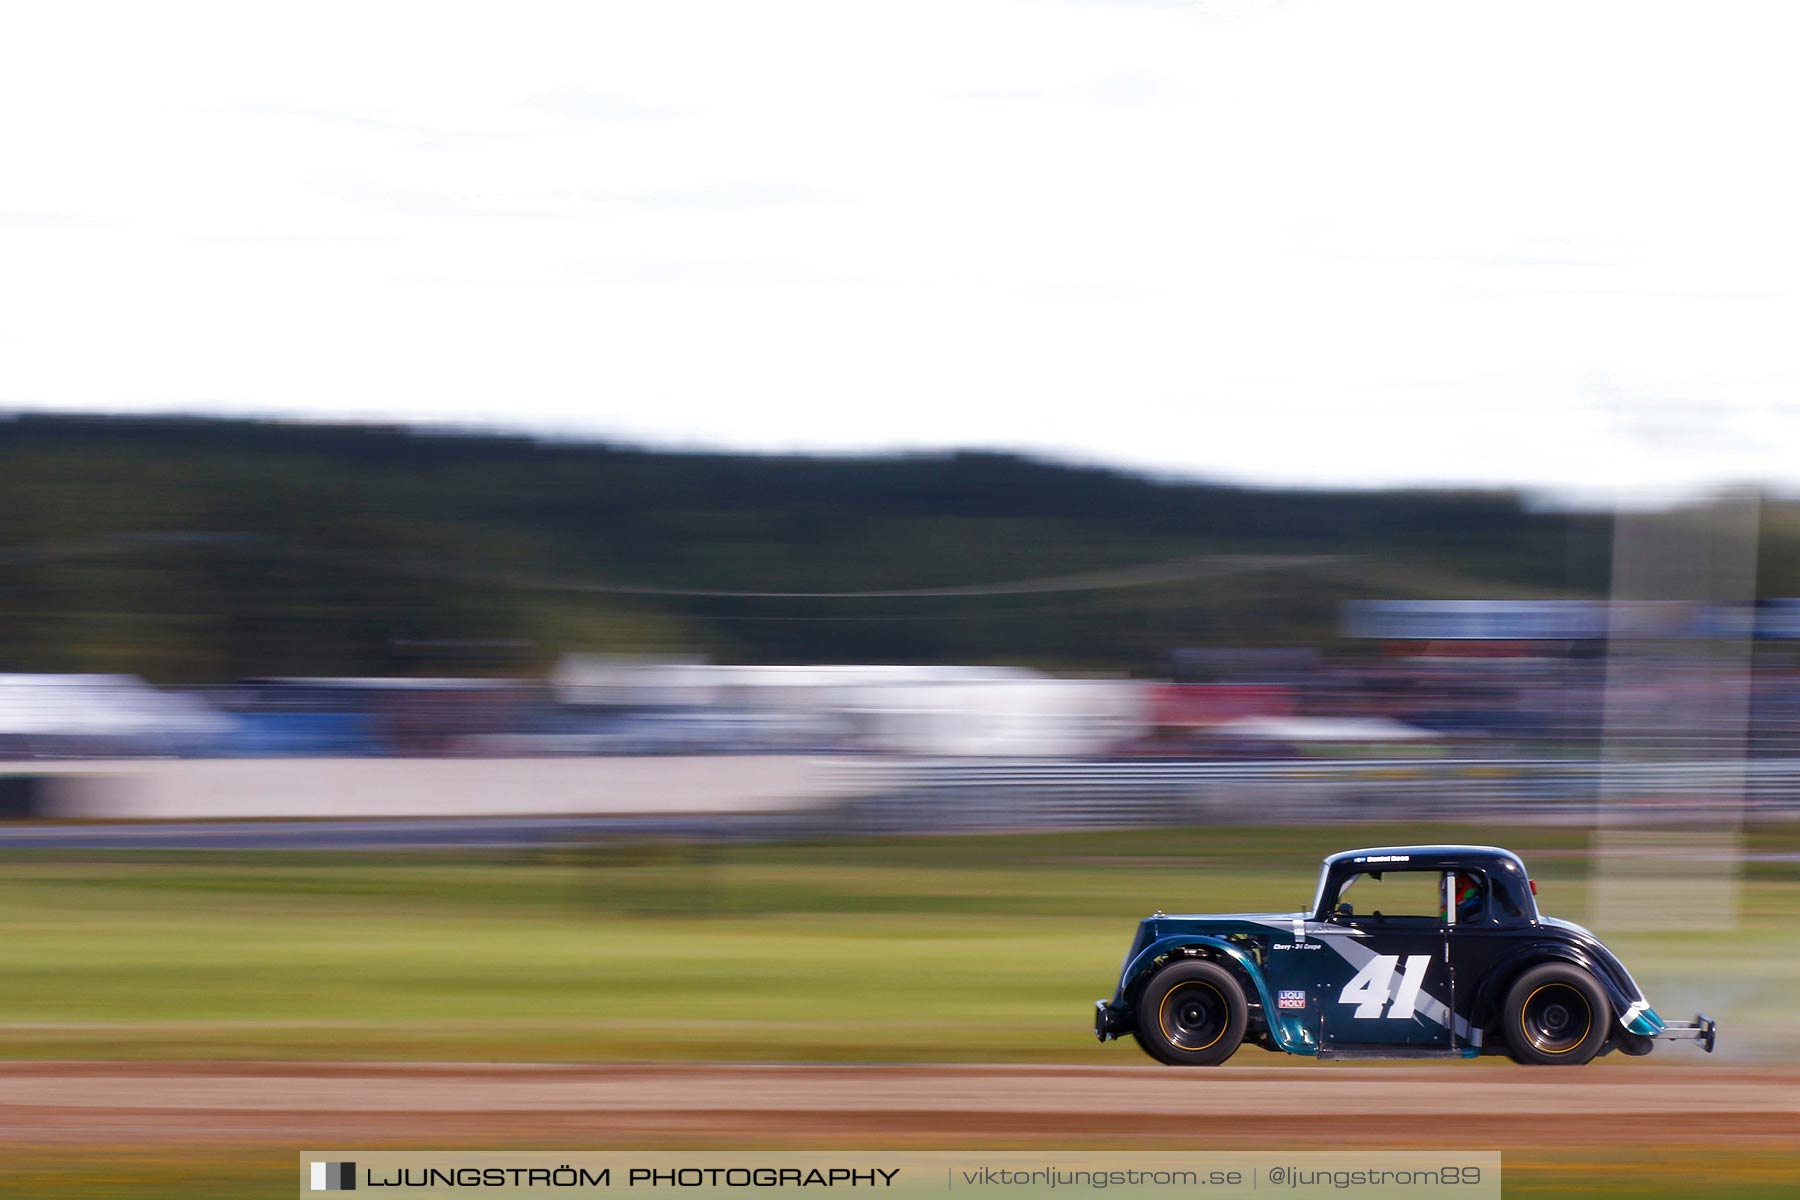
1534	1041
1162	1015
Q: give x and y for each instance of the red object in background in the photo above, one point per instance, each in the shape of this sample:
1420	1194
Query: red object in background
1191	704
1466	648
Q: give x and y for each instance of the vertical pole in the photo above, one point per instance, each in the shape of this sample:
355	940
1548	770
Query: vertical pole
1668	832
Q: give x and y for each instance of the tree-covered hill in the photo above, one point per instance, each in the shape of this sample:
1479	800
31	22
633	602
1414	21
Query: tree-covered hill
200	549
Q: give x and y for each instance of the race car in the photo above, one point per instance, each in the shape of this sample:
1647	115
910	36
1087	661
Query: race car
1408	952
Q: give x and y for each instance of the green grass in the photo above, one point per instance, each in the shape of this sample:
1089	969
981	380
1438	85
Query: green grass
257	1172
978	948
220	1171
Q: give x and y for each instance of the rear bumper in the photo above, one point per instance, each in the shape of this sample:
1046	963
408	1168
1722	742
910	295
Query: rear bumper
1644	1022
1702	1029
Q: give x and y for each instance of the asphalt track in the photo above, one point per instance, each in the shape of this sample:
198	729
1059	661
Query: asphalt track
1443	1105
420	833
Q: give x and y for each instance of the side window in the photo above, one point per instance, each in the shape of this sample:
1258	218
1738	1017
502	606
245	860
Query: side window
1506	904
1395	894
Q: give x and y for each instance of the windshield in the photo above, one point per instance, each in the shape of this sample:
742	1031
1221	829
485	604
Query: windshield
1319	891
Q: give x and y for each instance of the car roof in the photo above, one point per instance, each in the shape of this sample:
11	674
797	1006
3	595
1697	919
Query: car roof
1423	857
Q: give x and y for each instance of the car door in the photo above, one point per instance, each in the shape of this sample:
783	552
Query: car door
1391	985
1483	935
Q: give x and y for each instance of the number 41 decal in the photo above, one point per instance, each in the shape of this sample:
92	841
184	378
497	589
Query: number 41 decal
1370	988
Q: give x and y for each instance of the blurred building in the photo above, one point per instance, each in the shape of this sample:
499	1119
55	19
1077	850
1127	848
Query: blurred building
918	710
51	716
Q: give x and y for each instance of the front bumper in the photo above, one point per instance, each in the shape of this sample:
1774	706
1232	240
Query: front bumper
1109	1022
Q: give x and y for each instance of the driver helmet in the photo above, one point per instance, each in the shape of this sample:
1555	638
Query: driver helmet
1468	898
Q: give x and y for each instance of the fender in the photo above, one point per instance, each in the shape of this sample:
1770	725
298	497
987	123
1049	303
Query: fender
1490	995
1290	1035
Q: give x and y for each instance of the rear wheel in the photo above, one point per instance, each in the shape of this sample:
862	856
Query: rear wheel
1556	1015
1192	1014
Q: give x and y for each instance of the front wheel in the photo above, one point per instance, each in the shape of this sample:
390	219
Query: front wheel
1192	1014
1556	1015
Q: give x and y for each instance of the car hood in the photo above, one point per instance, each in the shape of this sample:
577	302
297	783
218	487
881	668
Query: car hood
1166	924
1228	918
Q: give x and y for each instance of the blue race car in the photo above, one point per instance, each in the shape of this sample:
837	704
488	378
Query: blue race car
1408	952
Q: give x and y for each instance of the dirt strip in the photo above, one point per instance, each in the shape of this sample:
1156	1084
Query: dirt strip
1496	1105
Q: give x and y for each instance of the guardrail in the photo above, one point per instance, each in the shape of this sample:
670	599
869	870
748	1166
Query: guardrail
921	796
853	794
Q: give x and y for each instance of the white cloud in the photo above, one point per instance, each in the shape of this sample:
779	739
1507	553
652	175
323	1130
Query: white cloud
591	106
1301	241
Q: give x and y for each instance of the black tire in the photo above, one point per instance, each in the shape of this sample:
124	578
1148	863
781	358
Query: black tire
1556	1015
1191	1014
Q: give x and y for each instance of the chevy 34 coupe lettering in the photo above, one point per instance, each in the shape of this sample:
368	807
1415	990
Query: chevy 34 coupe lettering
1449	957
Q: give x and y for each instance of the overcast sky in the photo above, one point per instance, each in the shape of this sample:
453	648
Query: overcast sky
1322	242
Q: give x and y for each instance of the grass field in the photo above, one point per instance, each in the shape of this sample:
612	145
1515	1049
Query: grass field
266	1172
978	948
937	949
